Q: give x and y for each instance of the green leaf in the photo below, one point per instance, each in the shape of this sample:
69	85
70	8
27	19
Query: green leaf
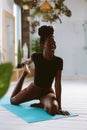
36	45
5	77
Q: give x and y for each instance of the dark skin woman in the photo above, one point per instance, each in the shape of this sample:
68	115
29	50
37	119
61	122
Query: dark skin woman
48	68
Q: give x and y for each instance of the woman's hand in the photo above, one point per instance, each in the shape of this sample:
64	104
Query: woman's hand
63	112
25	62
27	68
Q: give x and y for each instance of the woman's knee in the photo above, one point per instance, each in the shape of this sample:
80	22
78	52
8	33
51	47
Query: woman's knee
52	108
13	101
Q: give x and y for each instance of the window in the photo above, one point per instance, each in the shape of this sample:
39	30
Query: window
17	14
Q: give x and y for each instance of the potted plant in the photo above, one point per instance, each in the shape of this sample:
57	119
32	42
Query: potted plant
36	45
0	58
6	70
19	55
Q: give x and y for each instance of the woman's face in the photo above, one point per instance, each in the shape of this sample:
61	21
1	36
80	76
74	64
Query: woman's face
49	47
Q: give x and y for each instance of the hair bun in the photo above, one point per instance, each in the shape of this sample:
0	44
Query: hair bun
45	31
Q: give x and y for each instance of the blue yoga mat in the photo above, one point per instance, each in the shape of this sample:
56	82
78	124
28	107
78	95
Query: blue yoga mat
29	114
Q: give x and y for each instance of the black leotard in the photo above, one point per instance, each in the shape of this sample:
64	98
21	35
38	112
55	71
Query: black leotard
45	70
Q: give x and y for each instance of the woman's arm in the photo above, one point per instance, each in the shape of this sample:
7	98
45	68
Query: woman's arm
58	92
28	61
58	87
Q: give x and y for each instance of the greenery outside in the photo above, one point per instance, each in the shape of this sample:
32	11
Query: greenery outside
35	45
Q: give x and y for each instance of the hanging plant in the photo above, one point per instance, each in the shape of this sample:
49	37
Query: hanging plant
48	11
53	14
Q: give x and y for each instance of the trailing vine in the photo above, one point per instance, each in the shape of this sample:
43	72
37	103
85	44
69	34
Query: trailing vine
58	9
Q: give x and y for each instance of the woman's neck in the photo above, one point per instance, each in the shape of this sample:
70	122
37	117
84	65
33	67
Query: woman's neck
47	56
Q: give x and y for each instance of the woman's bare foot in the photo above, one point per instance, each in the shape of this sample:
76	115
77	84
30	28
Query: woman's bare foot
26	69
38	105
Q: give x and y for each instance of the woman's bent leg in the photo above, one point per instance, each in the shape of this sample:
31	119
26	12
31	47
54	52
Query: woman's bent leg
50	103
19	84
18	87
27	94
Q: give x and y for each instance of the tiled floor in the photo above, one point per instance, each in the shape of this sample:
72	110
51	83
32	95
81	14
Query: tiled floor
74	99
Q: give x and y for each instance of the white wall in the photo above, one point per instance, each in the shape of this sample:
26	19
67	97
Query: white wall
4	5
71	39
70	36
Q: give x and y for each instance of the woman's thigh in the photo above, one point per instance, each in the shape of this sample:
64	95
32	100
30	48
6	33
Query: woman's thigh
27	94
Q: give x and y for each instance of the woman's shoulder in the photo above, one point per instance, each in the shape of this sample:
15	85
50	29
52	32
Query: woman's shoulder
58	58
59	62
36	55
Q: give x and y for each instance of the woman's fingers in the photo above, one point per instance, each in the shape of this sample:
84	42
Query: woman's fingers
63	112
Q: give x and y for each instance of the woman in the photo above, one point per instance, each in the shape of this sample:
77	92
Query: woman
47	68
